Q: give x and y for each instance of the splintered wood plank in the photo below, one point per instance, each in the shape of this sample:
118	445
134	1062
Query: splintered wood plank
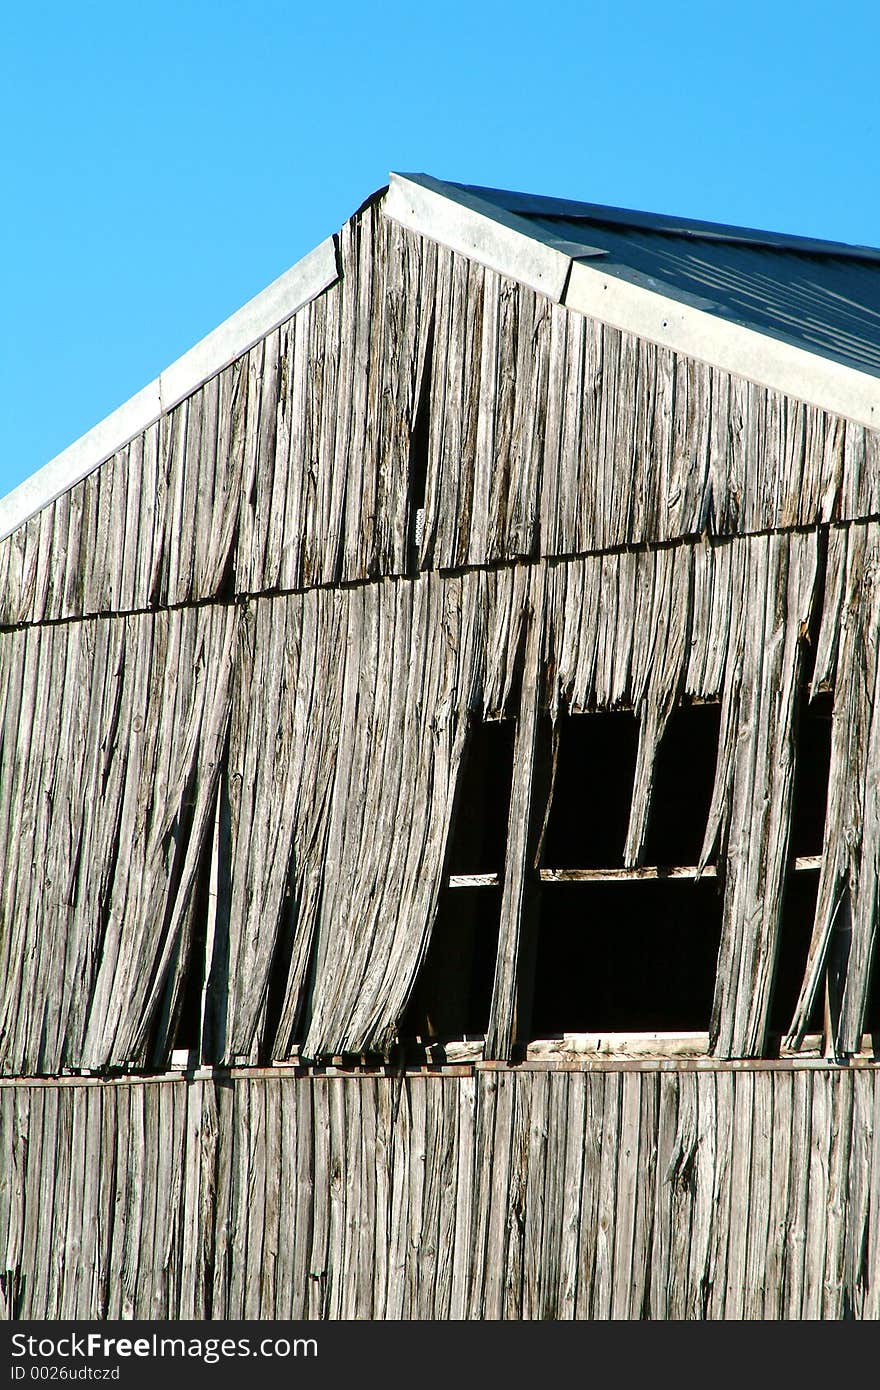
816	1226
553	464
858	1270
269	1253
368	1277
351	1293
399	1222
557	1186
74	1250
799	1197
872	1245
657	677
296	1179
760	1196
535	1213
606	1212
593	1139
197	1198
498	1191
740	1189
429	1138
704	1213
679	1174
463	1197
836	1301
778	1206
502	1020
780	598
628	1260
515	1190
223	1216
570	1210
661	1242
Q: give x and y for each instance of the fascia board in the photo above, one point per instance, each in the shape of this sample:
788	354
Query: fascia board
311	275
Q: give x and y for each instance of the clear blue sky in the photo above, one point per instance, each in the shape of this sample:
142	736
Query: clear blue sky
162	162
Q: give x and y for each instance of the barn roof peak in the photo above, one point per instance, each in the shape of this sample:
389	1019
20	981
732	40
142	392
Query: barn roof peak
794	314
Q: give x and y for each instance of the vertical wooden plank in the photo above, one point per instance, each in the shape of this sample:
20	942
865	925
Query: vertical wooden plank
777	1215
839	1212
760	1195
857	1268
571	1213
383	1176
628	1144
488	1241
799	1196
661	1245
603	1278
556	1187
369	1227
816	1232
680	1176
536	1276
591	1212
271	1089
464	1215
503	1020
704	1214
398	1256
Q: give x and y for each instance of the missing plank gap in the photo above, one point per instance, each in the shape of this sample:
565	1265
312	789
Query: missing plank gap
592	789
453	992
418	460
684	773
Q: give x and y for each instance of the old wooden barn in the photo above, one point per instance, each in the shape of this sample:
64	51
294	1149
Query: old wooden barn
439	815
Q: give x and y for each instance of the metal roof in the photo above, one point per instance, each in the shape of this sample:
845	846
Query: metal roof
821	296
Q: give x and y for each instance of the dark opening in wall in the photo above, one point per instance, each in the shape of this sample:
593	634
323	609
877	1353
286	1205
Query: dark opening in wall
629	956
482	801
454	989
684	774
812	765
634	952
796	928
177	1020
592	790
872	1010
418	457
453	992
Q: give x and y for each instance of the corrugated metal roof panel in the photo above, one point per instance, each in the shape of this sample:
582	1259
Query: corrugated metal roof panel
820	296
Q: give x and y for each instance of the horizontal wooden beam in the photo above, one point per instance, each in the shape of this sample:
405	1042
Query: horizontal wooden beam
804	863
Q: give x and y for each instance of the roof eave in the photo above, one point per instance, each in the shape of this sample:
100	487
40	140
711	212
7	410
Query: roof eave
311	275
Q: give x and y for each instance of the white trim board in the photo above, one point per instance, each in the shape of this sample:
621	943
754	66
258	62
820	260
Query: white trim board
311	275
511	245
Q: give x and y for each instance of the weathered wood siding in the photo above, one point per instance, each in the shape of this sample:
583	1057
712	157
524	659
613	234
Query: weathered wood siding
749	1193
548	434
310	745
220	660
